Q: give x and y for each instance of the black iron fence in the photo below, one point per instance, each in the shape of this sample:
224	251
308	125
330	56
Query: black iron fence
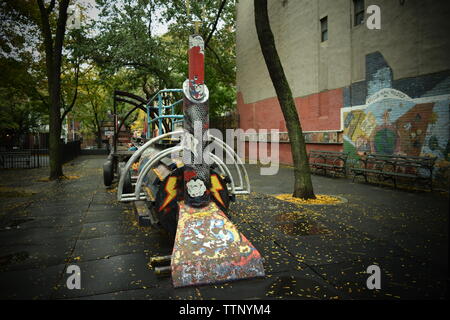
30	158
222	123
36	158
71	150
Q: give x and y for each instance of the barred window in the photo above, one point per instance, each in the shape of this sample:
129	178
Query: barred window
358	9
324	29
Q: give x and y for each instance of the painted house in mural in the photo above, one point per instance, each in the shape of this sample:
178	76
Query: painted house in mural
356	89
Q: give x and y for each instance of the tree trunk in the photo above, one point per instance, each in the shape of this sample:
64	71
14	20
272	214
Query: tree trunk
53	58
55	147
303	187
99	138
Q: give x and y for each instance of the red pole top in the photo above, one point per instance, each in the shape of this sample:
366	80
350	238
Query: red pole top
196	66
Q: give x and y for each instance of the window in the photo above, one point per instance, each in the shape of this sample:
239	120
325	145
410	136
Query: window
358	9
324	29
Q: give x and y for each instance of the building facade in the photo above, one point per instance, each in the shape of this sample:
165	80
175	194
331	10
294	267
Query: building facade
356	89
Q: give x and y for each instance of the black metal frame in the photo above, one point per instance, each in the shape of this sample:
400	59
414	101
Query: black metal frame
323	159
37	158
386	167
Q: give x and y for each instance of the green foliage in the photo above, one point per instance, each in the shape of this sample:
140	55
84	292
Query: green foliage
220	57
22	104
125	39
22	108
123	49
93	102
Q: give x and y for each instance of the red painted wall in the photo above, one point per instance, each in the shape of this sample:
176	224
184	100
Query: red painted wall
317	112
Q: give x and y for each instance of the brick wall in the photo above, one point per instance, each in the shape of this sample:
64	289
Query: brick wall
406	116
411	118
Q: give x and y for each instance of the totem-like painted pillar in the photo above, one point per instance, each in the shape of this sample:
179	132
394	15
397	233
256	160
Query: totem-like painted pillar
196	123
208	248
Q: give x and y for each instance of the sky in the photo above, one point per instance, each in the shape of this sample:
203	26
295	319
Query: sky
93	12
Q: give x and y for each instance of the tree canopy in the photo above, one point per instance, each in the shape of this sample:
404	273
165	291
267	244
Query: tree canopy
139	46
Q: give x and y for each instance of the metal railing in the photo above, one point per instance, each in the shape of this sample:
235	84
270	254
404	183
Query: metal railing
71	150
241	185
36	158
24	159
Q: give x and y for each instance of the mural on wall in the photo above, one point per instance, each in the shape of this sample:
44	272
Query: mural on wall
393	126
405	116
323	137
396	124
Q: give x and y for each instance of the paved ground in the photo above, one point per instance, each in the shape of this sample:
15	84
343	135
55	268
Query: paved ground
311	252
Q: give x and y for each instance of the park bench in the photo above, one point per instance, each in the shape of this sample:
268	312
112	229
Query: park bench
324	161
394	167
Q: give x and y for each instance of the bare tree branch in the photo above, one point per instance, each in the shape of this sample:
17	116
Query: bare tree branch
222	5
74	98
51	6
47	33
60	32
218	59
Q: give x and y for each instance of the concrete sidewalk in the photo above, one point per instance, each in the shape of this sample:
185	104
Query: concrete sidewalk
311	252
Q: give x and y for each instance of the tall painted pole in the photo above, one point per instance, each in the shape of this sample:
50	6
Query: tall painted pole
208	248
196	123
